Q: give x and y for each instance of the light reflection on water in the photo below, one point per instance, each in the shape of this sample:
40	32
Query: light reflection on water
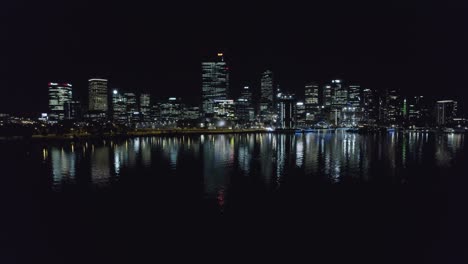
272	158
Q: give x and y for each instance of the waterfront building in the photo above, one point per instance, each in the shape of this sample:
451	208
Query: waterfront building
119	107
311	102
286	111
145	107
215	83
59	94
98	95
446	112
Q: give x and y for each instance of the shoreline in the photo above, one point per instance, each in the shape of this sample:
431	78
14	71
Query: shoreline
182	132
132	134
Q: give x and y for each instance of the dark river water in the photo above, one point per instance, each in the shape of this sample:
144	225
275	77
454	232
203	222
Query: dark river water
390	198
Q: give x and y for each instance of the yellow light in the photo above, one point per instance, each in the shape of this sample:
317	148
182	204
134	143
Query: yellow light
220	54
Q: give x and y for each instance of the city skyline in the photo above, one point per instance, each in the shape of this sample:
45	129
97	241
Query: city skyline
334	103
421	52
230	92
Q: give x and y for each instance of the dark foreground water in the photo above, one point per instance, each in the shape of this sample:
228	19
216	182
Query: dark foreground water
324	198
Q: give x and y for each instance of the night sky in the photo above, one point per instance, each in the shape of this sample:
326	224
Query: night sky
418	47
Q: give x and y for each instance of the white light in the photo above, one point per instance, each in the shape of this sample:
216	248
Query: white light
115	92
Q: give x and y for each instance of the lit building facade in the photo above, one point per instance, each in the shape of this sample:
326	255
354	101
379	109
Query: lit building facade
327	96
392	107
59	94
446	111
311	101
73	110
215	83
286	111
119	107
98	94
191	113
133	115
354	93
370	106
170	111
266	108
300	114
145	107
244	106
224	109
339	95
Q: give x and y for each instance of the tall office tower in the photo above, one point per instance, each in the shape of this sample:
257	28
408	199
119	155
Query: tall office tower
266	94
145	107
244	106
339	95
327	96
276	99
392	107
417	111
312	107
73	110
446	111
354	96
287	111
133	115
215	83
156	112
300	114
59	94
119	107
170	111
98	95
370	105
352	113
190	112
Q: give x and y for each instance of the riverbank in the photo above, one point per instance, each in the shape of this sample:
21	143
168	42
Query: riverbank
140	133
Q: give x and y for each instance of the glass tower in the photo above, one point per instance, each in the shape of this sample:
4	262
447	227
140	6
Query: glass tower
311	101
266	93
59	94
215	82
98	95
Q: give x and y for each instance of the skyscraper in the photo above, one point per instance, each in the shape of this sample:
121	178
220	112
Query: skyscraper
354	94
73	110
417	111
170	111
339	95
244	106
215	82
119	107
327	96
370	105
300	114
286	111
132	107
352	113
98	95
311	103
392	109
59	94
446	111
145	107
266	94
